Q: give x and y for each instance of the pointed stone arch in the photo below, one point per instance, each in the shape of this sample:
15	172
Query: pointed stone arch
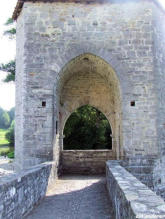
89	79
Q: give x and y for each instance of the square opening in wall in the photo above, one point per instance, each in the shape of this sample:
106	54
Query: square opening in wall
56	127
132	103
43	103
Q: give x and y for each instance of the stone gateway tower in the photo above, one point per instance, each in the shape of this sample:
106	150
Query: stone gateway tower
108	54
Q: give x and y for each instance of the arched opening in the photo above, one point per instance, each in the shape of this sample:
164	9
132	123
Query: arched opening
87	128
88	80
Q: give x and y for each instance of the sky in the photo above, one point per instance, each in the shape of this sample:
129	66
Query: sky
7	53
162	2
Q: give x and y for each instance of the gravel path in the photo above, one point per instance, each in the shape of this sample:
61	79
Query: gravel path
75	197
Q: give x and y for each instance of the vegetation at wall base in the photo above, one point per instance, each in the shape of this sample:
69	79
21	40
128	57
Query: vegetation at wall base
7	152
10	154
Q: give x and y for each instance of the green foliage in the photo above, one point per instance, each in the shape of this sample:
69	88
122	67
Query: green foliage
11	32
5	151
10	66
87	128
9	21
4	119
10	134
4	145
12	114
10	155
1	120
10	69
3	140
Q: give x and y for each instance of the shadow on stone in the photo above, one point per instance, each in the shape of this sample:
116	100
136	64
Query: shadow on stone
75	197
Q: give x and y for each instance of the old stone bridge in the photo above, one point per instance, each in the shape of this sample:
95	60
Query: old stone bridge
109	54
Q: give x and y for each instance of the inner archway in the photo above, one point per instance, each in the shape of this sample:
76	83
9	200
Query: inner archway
87	128
88	80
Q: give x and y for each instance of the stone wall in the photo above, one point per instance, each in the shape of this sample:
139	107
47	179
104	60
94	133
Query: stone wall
85	161
131	198
19	193
20	99
142	168
49	36
159	66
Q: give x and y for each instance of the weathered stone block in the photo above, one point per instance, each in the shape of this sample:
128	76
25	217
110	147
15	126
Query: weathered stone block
131	198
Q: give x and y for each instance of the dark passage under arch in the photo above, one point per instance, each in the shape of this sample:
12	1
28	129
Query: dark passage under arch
87	129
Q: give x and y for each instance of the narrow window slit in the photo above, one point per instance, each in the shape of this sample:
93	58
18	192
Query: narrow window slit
43	103
132	103
56	127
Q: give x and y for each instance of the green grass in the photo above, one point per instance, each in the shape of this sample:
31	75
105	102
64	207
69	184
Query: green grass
5	147
4	151
3	140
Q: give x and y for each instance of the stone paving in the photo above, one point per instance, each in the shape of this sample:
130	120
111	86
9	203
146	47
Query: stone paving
75	197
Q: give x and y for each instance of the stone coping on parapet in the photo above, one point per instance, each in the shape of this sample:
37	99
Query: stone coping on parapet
20	192
130	197
17	176
20	3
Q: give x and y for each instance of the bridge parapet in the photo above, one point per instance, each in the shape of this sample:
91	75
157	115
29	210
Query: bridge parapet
85	161
131	198
19	193
142	168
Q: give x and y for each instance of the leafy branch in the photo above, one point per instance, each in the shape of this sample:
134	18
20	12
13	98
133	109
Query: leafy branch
10	66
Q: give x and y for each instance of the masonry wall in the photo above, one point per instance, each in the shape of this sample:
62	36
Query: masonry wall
85	162
159	69
55	33
20	98
21	192
131	198
142	168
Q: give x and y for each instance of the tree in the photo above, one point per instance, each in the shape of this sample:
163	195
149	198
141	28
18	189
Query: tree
11	32
10	66
10	69
5	120
1	119
87	128
12	114
10	134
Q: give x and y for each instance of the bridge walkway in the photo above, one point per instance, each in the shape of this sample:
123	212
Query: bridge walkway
75	197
